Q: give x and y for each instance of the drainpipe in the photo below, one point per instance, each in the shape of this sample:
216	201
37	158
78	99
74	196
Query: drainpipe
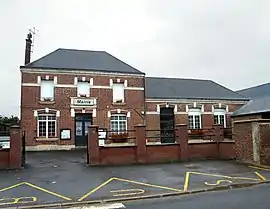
144	92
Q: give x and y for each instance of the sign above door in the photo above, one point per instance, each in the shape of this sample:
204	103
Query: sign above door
83	102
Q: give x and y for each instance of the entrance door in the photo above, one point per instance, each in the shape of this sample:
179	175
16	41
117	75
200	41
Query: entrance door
82	122
167	125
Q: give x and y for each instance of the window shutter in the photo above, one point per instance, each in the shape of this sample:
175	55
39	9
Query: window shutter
118	92
47	89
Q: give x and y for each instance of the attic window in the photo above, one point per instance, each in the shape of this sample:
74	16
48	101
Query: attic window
83	89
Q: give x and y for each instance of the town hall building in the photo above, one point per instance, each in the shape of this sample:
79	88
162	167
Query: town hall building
67	90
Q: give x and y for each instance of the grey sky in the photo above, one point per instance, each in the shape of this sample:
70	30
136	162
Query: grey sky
227	41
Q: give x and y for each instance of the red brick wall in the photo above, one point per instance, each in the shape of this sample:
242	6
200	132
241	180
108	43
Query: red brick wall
202	150
242	135
30	96
162	153
265	143
117	155
227	150
4	158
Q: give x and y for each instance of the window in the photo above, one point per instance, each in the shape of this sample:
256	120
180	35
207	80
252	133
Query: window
83	89
46	90
194	119
46	126
219	117
119	123
118	93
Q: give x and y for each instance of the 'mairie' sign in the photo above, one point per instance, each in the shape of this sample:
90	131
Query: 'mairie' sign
84	102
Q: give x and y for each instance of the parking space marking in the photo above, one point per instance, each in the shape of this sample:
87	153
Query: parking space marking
130	192
259	168
186	183
37	188
17	200
260	176
129	181
217	182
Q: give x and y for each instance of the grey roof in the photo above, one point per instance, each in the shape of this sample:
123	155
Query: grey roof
175	88
255	106
82	60
256	91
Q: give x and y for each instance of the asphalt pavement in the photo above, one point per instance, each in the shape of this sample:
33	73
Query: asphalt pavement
63	177
247	198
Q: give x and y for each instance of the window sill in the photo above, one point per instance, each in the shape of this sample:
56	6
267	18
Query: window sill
46	139
118	104
46	102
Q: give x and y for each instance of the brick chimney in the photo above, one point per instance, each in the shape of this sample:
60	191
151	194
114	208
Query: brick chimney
28	46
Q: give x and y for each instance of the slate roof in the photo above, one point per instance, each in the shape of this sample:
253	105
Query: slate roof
175	88
71	59
256	91
255	106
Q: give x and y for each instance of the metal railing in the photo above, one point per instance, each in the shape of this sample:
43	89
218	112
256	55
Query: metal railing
160	136
201	134
120	137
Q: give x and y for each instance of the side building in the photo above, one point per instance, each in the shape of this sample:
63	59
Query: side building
198	103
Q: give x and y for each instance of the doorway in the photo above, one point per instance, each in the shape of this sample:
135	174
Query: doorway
167	125
82	122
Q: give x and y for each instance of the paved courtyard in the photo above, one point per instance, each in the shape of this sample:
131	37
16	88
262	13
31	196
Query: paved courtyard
63	177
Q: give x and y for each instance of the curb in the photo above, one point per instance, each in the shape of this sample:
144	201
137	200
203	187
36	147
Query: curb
126	199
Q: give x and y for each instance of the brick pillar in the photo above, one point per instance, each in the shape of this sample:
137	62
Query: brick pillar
182	139
15	152
140	133
218	136
93	145
218	133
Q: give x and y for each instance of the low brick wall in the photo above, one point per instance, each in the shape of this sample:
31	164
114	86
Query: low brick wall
4	158
141	152
12	158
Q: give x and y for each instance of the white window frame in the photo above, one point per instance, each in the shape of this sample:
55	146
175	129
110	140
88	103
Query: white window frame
220	112
117	95
44	97
194	112
118	123
79	94
47	125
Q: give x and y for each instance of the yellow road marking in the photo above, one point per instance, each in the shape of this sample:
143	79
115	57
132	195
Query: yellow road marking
131	192
16	200
150	185
223	176
260	168
260	176
36	187
186	182
217	183
11	187
95	189
125	180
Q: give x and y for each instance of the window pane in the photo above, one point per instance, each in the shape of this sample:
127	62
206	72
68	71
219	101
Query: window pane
122	117
114	117
222	119
78	128
118	92
47	89
51	117
83	88
51	129
42	129
216	119
197	122
122	125
41	117
190	121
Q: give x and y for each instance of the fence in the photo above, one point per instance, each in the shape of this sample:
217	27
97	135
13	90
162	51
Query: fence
150	146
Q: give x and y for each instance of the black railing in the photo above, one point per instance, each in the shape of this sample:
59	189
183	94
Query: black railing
200	134
125	136
160	136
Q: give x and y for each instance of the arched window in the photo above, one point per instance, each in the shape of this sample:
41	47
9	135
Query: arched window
194	118
220	117
119	123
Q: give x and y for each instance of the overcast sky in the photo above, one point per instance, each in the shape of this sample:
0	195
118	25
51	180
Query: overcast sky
227	41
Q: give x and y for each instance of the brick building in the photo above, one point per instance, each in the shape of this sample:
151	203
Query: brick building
66	90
